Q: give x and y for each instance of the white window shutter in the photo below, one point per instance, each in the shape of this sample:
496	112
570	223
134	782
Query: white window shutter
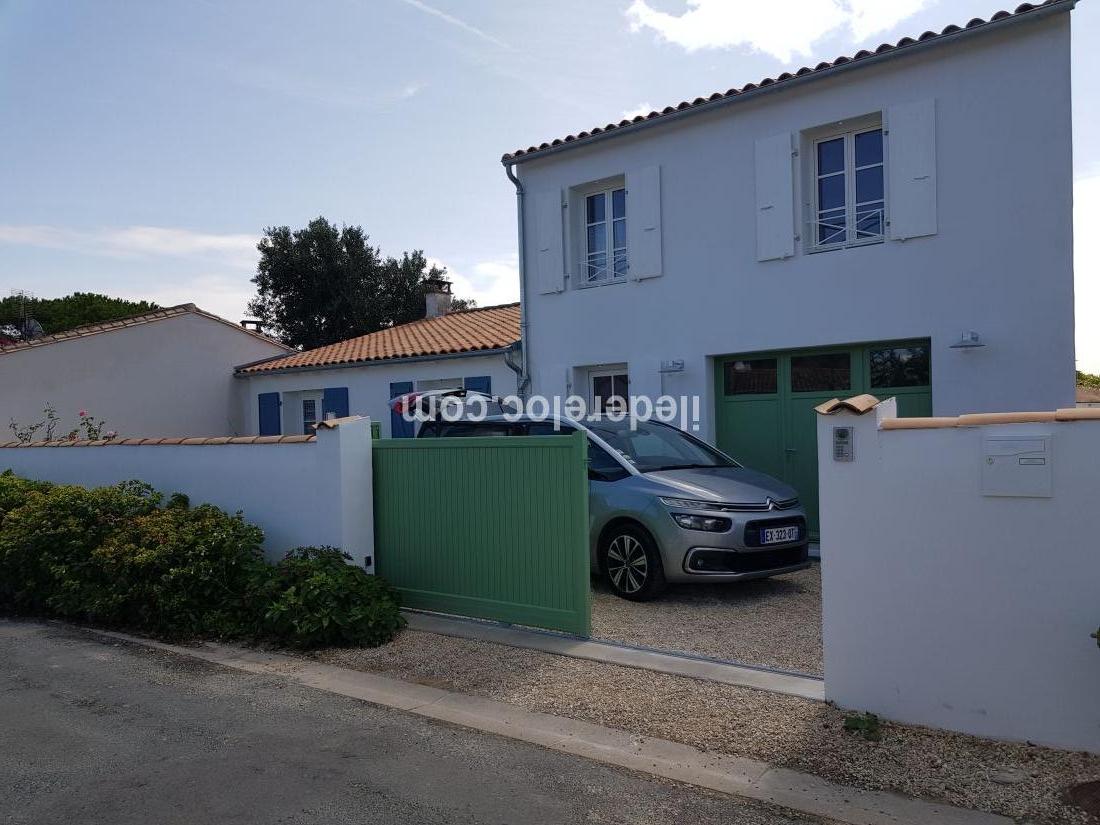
911	169
643	222
774	198
549	256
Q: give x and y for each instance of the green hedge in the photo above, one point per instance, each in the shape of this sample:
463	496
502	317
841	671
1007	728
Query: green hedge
116	556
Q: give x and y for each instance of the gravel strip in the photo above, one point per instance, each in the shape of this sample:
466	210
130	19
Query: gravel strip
1021	781
775	622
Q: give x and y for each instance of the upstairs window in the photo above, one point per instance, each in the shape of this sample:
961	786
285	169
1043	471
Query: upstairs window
605	236
849	189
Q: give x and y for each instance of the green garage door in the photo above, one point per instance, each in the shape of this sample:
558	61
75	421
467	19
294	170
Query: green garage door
765	402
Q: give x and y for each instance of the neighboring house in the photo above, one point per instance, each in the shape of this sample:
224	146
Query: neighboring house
159	374
835	230
1088	396
475	348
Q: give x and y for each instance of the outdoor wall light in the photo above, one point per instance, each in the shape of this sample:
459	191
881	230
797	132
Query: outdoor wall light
969	340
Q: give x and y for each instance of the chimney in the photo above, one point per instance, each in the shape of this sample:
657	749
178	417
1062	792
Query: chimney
437	297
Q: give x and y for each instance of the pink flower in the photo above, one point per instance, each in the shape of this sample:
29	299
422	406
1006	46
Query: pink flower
83	413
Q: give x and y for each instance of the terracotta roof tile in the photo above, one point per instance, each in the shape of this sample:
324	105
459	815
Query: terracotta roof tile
133	321
863	54
470	330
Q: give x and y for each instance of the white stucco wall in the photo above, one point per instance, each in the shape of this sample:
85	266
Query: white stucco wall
1000	263
172	377
368	386
946	607
308	493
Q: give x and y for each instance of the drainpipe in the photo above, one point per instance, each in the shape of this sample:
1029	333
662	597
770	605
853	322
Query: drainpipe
524	371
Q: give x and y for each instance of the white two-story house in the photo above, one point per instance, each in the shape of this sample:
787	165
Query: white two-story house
897	222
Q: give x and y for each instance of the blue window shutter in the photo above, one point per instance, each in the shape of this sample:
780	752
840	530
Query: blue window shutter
335	401
478	383
270	423
399	427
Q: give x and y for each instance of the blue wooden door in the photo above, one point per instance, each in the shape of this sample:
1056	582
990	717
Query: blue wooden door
399	427
270	420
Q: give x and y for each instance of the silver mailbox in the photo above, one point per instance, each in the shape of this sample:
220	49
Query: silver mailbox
1017	466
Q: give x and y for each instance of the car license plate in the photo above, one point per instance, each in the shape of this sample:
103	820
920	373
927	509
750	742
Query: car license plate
778	535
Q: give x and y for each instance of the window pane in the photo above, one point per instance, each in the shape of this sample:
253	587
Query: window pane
830	192
595	208
832	227
619	234
621	265
597	267
548	428
830	156
812	373
869	147
618	203
618	385
869	184
599	459
755	377
869	221
601	386
900	367
597	238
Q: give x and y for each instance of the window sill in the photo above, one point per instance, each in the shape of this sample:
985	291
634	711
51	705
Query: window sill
596	284
813	250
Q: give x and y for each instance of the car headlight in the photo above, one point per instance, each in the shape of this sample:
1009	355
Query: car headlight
688	503
710	524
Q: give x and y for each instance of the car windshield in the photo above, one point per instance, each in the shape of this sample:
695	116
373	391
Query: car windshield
651	446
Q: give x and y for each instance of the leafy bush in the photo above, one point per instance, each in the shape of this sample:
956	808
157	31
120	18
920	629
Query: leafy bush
47	542
14	491
316	599
114	556
178	572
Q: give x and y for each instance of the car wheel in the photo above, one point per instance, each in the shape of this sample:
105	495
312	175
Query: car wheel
632	564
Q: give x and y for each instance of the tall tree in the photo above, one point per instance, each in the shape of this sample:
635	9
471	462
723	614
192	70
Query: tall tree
319	285
65	313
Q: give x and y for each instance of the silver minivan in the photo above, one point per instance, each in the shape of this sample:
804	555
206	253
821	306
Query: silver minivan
665	506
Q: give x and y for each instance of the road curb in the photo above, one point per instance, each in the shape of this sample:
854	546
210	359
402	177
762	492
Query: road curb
693	667
737	776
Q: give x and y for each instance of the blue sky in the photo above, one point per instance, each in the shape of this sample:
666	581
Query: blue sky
145	146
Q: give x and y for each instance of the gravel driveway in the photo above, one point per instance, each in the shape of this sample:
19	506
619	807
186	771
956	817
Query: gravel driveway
775	622
1021	781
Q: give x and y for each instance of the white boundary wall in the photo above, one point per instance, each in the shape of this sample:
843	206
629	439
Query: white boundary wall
946	607
301	491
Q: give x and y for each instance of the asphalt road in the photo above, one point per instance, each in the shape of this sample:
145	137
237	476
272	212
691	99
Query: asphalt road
94	731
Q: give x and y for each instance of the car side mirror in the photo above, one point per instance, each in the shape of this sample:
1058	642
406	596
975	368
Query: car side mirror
605	475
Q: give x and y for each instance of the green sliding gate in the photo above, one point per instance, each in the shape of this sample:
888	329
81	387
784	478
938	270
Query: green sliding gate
495	528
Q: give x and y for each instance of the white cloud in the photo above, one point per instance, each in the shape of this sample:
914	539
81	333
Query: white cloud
640	109
461	24
237	251
1086	266
779	29
487	282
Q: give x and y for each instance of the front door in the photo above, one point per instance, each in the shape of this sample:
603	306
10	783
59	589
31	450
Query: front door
765	402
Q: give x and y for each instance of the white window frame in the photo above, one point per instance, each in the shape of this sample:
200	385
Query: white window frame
850	206
609	372
306	428
611	252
